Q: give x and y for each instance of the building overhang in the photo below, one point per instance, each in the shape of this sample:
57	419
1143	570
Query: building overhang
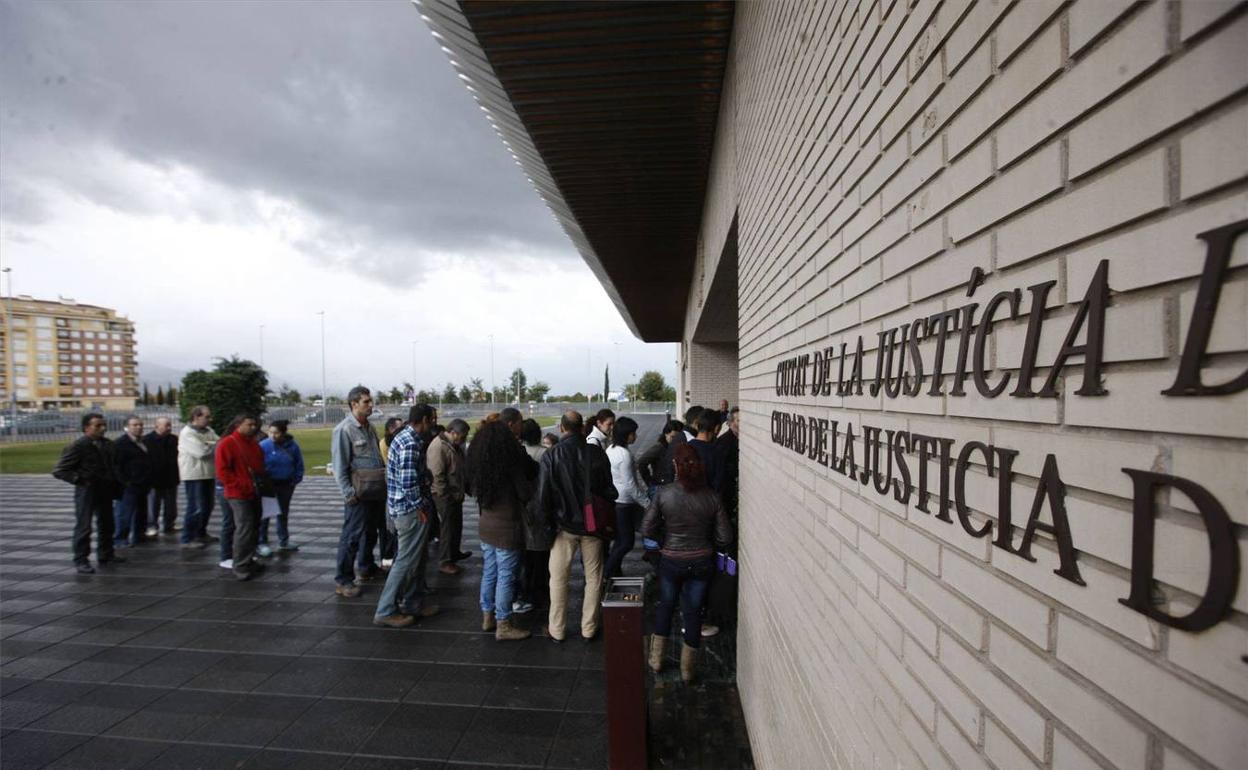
610	109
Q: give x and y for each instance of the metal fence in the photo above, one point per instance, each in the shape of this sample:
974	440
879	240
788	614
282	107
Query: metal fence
66	424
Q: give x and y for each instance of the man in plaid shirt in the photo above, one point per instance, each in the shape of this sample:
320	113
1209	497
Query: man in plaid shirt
409	508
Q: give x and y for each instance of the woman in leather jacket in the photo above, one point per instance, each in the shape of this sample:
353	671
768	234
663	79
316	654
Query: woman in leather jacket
688	518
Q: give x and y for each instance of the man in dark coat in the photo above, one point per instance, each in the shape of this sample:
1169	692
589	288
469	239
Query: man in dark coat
88	465
133	466
162	450
569	471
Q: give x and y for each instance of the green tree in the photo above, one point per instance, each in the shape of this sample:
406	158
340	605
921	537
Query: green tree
449	394
538	391
478	389
606	383
465	394
146	398
669	394
288	395
233	386
426	396
160	396
651	387
395	395
519	383
171	395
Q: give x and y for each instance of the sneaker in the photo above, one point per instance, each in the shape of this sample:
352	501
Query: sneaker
151	532
288	547
85	569
385	563
450	569
226	564
709	630
521	607
394	621
264	550
348	591
429	610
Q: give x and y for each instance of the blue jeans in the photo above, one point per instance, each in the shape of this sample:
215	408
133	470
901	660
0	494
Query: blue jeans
285	490
687	581
627	520
498	581
227	526
165	498
405	585
354	518
131	515
199	499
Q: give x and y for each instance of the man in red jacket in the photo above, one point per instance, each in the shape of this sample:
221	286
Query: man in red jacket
239	462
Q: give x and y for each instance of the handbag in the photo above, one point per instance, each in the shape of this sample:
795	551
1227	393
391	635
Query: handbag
599	511
263	484
369	483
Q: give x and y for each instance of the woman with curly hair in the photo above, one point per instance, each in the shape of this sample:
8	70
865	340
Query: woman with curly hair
689	519
500	477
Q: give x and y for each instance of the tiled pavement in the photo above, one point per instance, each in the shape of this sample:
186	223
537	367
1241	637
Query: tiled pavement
168	662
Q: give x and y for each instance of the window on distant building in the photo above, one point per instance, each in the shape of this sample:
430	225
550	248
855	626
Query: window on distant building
43	334
45	382
43	322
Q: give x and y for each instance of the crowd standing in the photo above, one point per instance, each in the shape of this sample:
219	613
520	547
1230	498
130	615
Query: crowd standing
543	499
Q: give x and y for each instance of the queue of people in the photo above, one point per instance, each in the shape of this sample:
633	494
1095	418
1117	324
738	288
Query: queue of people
543	499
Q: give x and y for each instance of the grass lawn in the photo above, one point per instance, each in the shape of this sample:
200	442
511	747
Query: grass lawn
41	456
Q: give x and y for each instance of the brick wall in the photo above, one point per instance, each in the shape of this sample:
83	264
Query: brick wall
876	153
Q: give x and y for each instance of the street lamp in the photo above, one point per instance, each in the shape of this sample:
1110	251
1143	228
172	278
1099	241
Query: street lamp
261	346
412	395
9	356
324	395
618	372
493	382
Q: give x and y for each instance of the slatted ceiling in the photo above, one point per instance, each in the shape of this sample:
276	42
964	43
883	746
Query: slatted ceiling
618	104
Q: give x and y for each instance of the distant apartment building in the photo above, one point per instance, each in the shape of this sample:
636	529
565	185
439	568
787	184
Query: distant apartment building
65	354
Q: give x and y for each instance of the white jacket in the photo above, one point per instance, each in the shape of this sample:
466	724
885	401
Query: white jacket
598	437
624	476
195	454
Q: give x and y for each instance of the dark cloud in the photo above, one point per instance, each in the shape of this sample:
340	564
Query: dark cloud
349	109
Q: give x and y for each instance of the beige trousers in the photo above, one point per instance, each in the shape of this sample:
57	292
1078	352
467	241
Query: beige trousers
561	554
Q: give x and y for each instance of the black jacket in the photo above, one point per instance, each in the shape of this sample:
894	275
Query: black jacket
648	465
686	521
561	481
162	452
132	465
86	462
665	471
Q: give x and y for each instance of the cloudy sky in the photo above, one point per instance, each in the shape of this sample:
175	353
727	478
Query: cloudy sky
208	168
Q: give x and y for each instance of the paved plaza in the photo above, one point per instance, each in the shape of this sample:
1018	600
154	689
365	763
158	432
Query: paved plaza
168	662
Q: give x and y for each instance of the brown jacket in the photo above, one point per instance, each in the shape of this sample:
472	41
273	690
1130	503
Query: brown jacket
446	466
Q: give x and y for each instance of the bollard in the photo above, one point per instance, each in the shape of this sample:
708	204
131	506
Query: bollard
625	669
